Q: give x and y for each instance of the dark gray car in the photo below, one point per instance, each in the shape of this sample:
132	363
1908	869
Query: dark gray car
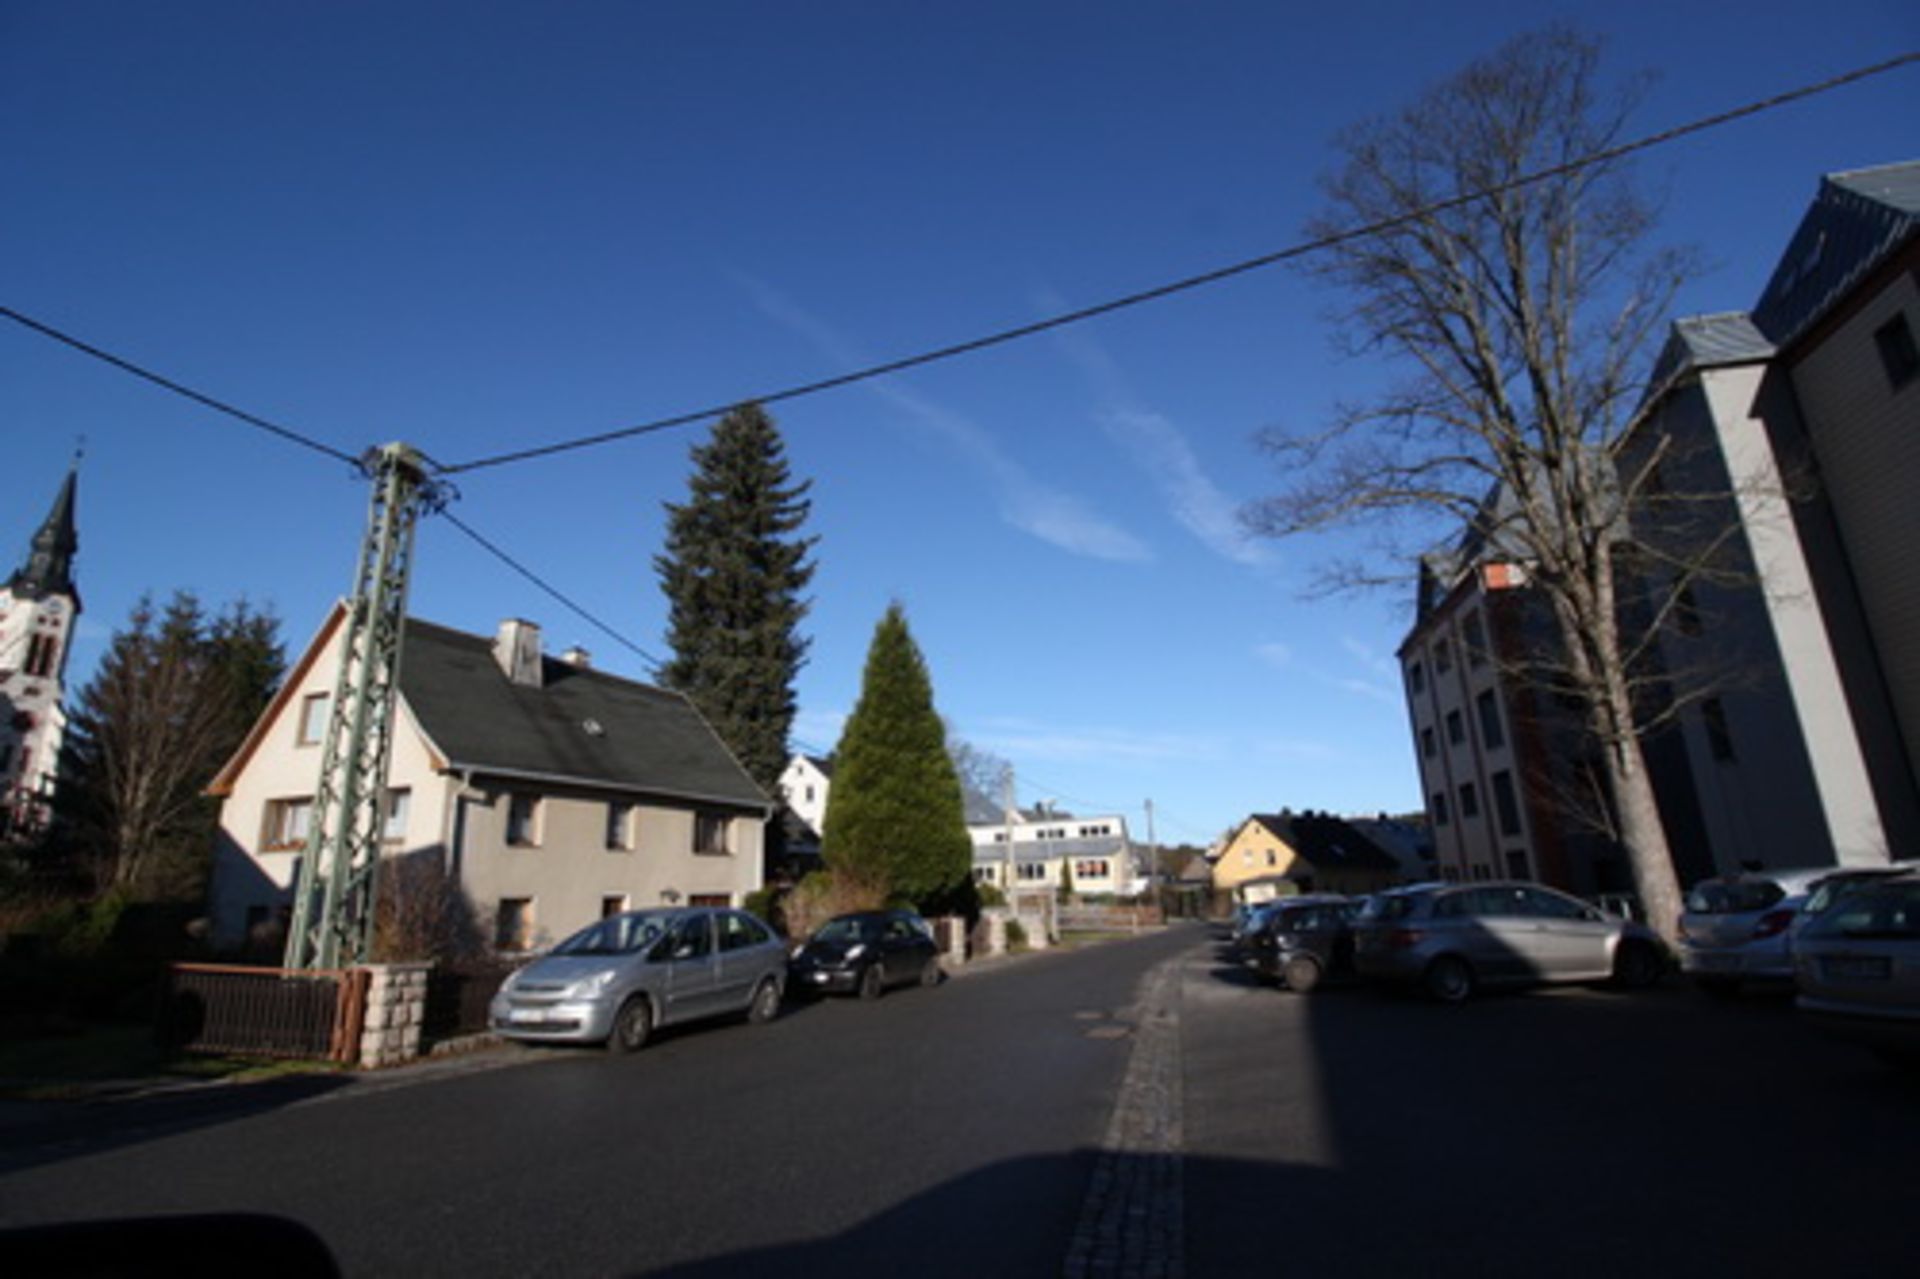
1454	938
615	981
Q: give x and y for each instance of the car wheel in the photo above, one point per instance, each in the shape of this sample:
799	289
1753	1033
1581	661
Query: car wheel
766	1002
930	973
1449	979
1718	987
872	982
1636	966
631	1026
1301	973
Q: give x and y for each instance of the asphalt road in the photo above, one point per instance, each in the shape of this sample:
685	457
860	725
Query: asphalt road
945	1131
959	1131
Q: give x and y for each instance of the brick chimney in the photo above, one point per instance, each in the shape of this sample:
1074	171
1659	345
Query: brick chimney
517	651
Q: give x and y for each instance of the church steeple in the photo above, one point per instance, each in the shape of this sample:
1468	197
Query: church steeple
49	567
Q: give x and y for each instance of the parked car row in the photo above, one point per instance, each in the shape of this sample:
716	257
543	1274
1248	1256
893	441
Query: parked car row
617	980
1741	931
1452	939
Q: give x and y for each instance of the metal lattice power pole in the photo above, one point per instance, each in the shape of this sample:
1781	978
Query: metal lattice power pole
334	896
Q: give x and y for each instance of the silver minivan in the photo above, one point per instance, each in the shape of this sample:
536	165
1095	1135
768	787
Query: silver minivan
618	979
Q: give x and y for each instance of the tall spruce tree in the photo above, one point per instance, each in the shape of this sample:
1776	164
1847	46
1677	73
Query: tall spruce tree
733	572
896	816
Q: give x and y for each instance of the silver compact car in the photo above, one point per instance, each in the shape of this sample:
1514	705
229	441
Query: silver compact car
619	979
1734	930
1857	964
1452	939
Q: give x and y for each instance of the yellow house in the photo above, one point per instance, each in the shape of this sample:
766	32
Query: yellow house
1276	854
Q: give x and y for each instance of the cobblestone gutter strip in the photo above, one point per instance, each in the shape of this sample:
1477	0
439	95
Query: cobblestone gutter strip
1131	1222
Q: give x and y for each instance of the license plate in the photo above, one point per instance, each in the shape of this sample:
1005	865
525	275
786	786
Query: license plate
526	1016
818	979
1856	968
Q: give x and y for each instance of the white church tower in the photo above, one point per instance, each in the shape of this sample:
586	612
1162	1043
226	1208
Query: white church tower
38	608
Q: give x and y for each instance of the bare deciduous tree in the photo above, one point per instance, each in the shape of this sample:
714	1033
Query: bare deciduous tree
1526	319
170	701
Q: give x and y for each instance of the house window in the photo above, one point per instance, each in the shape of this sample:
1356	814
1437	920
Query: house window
709	899
1456	728
513	924
523	820
1428	743
288	823
1898	356
40	651
1442	657
1439	808
1475	637
1091	869
1517	864
1506	805
1033	870
1491	733
709	834
613	904
399	804
313	718
1417	677
1719	739
1469	802
619	826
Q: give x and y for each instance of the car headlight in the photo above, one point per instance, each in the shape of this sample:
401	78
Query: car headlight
854	952
590	987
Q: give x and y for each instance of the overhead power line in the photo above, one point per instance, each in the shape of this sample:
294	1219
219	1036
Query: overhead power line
653	663
219	406
1191	282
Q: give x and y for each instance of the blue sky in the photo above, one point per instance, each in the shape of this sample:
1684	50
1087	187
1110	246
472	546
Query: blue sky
486	226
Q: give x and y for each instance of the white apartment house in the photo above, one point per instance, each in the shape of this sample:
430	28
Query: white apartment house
1805	413
553	793
1047	849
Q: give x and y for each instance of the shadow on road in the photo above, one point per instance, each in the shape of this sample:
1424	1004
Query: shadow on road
37	1133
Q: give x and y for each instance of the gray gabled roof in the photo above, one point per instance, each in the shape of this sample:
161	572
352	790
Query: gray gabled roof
1857	219
582	726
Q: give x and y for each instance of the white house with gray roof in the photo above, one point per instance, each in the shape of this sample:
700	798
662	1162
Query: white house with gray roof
1046	849
554	793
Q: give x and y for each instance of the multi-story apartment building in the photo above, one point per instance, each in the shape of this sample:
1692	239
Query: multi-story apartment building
1794	666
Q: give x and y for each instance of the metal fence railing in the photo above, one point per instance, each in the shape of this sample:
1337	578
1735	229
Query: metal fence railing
457	999
267	1012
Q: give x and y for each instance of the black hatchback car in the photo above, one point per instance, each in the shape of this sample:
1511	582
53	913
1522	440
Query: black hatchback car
864	953
1305	940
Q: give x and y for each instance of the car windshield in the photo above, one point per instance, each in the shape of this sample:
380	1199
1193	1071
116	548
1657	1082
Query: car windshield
1733	896
844	930
615	935
1872	909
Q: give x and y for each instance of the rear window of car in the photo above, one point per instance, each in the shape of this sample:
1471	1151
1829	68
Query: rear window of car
1391	907
1871	909
1733	896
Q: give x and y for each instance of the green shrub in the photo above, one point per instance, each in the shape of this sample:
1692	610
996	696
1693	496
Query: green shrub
1016	935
